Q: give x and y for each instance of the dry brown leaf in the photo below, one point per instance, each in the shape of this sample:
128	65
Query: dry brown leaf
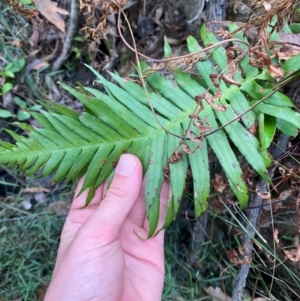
206	96
276	72
230	80
193	137
51	12
27	204
266	5
42	65
238	256
37	64
7	98
35	189
275	235
293	255
35	36
253	128
41	292
264	195
217	294
218	183
19	8
290	38
53	87
40	197
17	43
287	54
60	208
285	194
176	156
172	41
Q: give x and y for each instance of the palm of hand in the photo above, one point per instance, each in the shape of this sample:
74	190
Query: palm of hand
101	256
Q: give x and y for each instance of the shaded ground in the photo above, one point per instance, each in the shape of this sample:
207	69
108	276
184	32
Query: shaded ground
32	210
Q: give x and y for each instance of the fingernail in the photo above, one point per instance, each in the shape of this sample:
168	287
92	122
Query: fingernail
126	165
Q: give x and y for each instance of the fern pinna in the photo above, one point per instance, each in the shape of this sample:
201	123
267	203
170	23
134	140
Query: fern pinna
222	104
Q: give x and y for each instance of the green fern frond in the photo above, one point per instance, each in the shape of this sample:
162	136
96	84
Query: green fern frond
70	145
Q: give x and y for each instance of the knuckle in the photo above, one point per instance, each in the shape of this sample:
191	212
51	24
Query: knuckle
116	192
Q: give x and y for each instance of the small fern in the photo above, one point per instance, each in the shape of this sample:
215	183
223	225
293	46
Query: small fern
70	145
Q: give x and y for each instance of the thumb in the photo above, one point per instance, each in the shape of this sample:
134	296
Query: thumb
124	190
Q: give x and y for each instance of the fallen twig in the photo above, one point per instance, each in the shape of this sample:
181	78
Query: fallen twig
74	16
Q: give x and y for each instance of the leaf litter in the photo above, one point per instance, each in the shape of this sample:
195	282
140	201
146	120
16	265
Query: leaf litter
280	54
52	12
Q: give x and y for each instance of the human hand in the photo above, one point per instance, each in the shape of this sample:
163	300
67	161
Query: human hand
100	256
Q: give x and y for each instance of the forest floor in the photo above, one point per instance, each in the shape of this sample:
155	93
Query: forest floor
199	266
